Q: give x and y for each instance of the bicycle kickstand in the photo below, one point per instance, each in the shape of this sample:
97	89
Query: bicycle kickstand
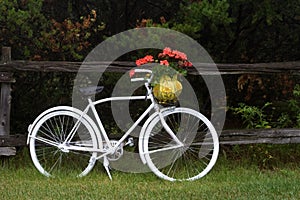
106	166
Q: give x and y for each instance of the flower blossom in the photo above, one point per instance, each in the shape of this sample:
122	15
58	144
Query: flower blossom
168	52
179	55
131	73
145	60
187	64
149	58
166	57
164	62
173	54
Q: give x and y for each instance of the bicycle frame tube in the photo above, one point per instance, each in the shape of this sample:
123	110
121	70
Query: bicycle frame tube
102	129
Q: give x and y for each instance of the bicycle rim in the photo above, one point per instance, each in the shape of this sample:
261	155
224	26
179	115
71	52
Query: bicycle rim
54	129
191	161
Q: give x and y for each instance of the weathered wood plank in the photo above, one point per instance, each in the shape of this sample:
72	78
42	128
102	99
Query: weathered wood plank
228	137
5	109
260	136
5	94
8	151
5	80
5	55
12	140
6	77
123	66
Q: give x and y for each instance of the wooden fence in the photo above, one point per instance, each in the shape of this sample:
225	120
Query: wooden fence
9	141
6	80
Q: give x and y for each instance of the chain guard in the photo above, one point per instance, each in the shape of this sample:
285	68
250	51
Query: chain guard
117	154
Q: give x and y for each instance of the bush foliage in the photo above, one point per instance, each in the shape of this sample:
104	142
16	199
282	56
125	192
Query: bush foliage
230	30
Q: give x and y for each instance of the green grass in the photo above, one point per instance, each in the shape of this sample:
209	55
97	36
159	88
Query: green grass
229	179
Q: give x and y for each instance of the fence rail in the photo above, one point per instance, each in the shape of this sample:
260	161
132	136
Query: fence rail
227	137
124	66
8	67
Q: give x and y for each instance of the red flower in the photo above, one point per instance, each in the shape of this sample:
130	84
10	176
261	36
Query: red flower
161	55
173	54
187	64
145	60
179	55
149	58
168	52
139	62
164	62
131	73
166	56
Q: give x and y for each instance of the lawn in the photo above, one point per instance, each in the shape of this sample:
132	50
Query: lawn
229	179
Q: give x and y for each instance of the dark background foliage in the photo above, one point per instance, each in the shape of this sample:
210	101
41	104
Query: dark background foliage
232	31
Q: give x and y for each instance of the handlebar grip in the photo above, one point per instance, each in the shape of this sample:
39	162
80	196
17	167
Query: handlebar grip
143	70
137	79
133	71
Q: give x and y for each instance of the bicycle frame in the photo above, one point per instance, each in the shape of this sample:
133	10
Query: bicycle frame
111	149
103	132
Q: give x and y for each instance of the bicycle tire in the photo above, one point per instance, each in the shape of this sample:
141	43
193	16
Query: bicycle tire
53	127
191	161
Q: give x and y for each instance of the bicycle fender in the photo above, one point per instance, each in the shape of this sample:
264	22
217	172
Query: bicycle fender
62	108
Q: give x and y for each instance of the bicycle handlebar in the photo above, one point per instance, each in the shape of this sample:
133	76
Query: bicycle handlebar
142	71
138	79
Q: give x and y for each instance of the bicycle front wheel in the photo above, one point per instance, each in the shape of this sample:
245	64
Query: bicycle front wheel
49	144
191	160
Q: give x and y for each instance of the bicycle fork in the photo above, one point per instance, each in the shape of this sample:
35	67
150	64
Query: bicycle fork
167	128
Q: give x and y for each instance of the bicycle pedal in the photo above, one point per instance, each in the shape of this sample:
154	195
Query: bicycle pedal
130	142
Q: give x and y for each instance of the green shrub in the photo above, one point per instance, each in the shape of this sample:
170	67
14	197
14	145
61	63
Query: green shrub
21	26
252	116
292	117
25	28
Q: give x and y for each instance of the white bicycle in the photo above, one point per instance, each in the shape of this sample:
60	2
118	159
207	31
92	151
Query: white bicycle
176	143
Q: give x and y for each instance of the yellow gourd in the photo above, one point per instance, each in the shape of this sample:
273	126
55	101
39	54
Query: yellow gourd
168	89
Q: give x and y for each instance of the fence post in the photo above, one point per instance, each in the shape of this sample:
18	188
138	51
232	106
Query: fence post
5	101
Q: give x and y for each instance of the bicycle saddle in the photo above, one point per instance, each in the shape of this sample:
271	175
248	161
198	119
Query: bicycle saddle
88	91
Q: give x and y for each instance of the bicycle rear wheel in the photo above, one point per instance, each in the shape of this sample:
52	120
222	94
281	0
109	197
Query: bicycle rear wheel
48	152
191	161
